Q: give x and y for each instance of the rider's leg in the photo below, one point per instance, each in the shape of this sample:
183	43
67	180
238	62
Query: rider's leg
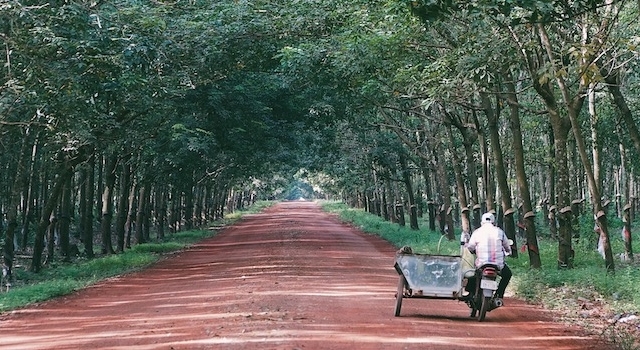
505	273
471	285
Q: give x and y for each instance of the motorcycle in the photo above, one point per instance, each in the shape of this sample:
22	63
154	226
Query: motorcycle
483	298
428	276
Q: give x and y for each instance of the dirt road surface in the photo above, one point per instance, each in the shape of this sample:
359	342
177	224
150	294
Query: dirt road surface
291	277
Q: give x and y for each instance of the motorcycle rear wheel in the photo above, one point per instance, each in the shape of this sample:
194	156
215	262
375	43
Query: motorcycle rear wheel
483	308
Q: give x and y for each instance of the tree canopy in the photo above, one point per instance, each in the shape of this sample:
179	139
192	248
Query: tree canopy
168	114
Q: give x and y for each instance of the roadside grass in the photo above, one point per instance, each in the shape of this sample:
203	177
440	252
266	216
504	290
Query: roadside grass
603	303
422	241
60	278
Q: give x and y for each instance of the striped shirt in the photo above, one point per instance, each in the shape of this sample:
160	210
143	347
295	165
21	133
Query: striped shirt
490	244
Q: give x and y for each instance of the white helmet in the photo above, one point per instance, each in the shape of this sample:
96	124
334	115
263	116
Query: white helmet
488	218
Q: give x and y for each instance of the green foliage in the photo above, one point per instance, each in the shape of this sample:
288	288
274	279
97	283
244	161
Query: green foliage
519	11
234	90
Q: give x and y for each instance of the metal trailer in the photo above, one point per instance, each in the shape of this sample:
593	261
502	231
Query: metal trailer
430	277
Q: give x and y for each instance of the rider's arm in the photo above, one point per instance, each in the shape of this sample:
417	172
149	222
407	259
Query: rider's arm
473	242
505	244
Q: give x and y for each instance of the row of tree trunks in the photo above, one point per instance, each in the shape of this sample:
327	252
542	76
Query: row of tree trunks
562	213
12	210
64	198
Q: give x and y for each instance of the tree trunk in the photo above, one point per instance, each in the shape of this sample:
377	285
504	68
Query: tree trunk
384	209
596	149
140	214
406	178
399	209
626	232
123	206
31	194
472	175
487	180
376	193
625	177
613	85
553	202
563	214
391	210
197	207
460	186
52	201
160	211
501	174
87	226
12	211
527	213
12	224
468	128
99	188
174	217
51	237
446	220
188	204
65	221
146	219
107	203
560	129
131	214
428	193
82	203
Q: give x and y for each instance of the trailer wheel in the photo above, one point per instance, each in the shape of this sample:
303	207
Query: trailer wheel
400	294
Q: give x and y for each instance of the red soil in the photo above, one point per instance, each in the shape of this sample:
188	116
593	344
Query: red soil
291	277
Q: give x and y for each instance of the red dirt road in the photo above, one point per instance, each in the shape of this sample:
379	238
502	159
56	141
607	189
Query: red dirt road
291	277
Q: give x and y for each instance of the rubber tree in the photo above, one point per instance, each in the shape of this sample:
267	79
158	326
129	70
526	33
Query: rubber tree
66	163
467	127
492	113
527	212
465	217
535	60
573	101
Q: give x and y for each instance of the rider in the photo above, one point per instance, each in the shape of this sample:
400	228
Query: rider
490	244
